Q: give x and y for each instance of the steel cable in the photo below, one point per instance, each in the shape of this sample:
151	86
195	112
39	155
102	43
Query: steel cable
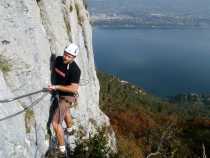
23	96
26	108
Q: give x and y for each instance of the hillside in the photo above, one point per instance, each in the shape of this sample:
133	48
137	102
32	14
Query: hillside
146	125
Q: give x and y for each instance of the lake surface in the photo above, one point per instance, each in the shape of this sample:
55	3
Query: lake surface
164	62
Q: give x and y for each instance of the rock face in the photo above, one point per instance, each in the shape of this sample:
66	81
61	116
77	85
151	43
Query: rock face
30	32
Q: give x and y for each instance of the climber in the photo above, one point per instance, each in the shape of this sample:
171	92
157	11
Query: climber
66	84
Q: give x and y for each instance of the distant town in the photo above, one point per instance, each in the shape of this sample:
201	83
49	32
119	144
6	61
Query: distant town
152	20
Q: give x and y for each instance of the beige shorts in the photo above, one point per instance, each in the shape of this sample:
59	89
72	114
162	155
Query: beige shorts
65	102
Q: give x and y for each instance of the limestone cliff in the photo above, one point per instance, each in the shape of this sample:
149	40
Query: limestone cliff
30	32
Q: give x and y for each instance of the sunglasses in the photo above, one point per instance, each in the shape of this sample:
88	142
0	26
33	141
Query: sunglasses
68	55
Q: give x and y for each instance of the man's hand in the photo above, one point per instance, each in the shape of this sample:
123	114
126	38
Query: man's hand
51	88
73	88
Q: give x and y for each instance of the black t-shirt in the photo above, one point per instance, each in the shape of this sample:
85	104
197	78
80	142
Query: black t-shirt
64	76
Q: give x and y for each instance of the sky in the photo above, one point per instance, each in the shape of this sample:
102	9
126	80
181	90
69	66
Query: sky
175	7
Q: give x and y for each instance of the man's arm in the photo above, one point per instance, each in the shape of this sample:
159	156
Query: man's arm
72	88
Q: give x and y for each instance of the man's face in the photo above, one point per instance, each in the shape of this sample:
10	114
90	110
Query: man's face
67	58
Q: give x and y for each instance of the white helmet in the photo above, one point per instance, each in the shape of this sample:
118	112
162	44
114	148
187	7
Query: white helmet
72	49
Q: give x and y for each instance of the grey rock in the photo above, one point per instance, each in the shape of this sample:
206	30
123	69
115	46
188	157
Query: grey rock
30	32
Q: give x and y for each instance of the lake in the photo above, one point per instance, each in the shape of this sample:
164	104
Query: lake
164	62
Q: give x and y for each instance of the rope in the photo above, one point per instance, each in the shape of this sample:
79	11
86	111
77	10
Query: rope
23	96
26	108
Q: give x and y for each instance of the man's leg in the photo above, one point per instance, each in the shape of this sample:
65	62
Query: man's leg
68	119
52	111
59	132
57	124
